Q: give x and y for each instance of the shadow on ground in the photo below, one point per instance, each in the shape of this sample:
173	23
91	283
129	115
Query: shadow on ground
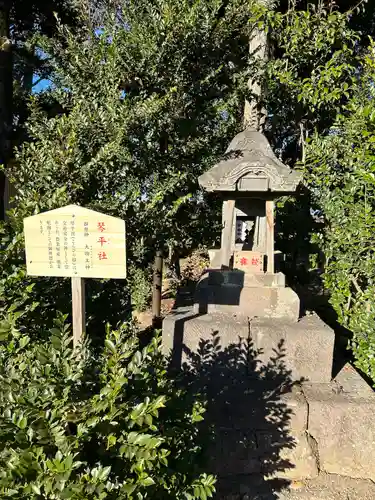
246	416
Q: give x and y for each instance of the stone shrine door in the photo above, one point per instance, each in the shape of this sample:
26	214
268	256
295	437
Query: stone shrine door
249	233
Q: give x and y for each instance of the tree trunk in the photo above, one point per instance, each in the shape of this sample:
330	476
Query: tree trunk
254	114
6	91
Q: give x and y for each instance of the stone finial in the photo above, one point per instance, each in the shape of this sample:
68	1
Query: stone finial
250	166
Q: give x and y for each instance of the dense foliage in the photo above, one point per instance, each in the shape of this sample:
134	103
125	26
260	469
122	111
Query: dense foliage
340	168
139	104
77	426
321	104
144	103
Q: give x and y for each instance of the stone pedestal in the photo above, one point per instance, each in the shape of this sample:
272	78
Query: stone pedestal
307	346
261	295
278	414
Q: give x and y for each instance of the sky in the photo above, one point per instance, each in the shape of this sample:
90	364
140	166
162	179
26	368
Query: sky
42	85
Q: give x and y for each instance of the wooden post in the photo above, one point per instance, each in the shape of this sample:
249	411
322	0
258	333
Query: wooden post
78	309
226	235
270	241
157	286
6	97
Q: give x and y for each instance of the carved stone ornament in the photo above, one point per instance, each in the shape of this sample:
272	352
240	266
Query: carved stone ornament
250	165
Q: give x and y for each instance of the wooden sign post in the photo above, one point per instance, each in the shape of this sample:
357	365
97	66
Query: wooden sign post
78	243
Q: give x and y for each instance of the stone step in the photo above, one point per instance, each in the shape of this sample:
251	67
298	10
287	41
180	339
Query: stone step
307	346
341	424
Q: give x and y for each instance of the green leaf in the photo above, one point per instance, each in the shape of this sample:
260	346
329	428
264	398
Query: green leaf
36	489
110	345
148	481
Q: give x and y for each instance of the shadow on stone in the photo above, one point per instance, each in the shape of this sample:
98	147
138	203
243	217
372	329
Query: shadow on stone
247	416
219	287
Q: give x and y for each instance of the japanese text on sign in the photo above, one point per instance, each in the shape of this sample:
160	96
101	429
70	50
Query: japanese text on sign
249	261
76	242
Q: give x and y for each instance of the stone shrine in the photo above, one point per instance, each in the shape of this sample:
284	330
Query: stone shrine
289	422
248	179
246	286
283	412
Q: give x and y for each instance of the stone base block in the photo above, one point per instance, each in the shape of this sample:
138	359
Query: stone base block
271	302
307	346
260	436
297	453
214	277
215	257
245	453
337	420
184	330
341	421
301	460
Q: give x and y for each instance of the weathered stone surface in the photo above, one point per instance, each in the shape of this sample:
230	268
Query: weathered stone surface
341	420
307	345
298	456
185	327
301	461
248	452
236	453
238	277
271	302
350	381
251	166
328	487
297	410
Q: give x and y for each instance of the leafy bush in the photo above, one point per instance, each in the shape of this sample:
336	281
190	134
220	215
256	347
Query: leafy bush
194	265
340	169
140	286
321	102
76	426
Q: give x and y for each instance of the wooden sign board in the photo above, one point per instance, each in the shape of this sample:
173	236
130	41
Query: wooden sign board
75	242
248	261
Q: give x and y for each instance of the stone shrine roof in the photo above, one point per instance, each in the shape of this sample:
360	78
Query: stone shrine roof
251	166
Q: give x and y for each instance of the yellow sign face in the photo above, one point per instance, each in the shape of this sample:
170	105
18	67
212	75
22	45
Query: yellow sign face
75	242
